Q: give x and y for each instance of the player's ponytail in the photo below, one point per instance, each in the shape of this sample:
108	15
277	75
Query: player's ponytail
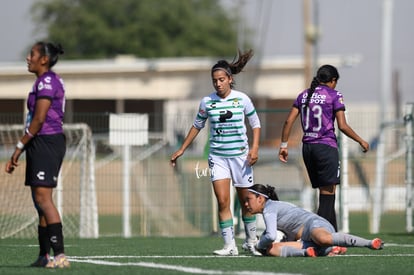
271	193
325	74
235	67
311	90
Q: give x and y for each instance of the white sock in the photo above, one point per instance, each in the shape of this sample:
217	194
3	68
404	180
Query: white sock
228	235
250	228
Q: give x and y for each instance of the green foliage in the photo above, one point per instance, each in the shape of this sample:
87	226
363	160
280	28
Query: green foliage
145	28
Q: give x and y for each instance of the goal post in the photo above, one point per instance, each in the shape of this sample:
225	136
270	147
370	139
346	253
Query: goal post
409	157
75	196
83	152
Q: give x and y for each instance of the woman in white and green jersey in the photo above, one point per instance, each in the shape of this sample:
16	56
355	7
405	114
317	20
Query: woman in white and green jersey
230	157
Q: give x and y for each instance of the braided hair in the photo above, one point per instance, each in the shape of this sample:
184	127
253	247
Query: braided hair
51	50
235	67
325	73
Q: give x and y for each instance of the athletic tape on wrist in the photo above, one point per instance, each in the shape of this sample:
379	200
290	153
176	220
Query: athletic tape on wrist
284	145
20	145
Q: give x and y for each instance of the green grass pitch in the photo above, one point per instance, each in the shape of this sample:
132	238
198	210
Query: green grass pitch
157	255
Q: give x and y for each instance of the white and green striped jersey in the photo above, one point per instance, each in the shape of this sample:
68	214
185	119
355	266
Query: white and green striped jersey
227	122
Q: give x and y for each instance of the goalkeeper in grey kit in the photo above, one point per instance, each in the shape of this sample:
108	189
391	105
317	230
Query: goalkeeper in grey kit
307	234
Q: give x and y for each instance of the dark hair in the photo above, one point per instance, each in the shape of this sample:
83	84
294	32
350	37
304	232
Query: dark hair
51	50
234	67
325	73
267	190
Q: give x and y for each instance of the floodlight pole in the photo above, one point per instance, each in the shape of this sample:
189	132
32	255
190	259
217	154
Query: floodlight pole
312	34
409	173
308	43
386	75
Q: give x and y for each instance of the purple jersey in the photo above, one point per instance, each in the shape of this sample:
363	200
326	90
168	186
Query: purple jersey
318	118
50	86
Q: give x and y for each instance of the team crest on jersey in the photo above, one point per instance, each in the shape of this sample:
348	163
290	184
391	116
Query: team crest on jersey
236	103
40	86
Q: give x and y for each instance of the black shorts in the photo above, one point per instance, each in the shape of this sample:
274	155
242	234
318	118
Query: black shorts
322	164
44	156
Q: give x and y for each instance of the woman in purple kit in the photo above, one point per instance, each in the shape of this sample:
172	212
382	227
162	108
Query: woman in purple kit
318	108
45	146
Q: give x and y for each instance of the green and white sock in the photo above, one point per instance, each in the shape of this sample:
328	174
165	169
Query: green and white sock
250	228
227	231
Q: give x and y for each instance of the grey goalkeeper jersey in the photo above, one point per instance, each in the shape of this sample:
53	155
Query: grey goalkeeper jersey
283	216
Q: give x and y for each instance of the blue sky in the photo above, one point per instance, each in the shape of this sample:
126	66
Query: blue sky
351	27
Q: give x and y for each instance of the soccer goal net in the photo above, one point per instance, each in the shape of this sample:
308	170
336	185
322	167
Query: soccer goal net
75	196
385	175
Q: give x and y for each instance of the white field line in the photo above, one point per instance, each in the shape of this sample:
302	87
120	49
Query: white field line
155	257
71	245
372	255
105	260
192	270
82	258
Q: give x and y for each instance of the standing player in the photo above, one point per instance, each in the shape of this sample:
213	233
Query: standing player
316	235
230	158
318	108
44	143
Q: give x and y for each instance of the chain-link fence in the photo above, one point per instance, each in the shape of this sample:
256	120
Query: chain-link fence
167	201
